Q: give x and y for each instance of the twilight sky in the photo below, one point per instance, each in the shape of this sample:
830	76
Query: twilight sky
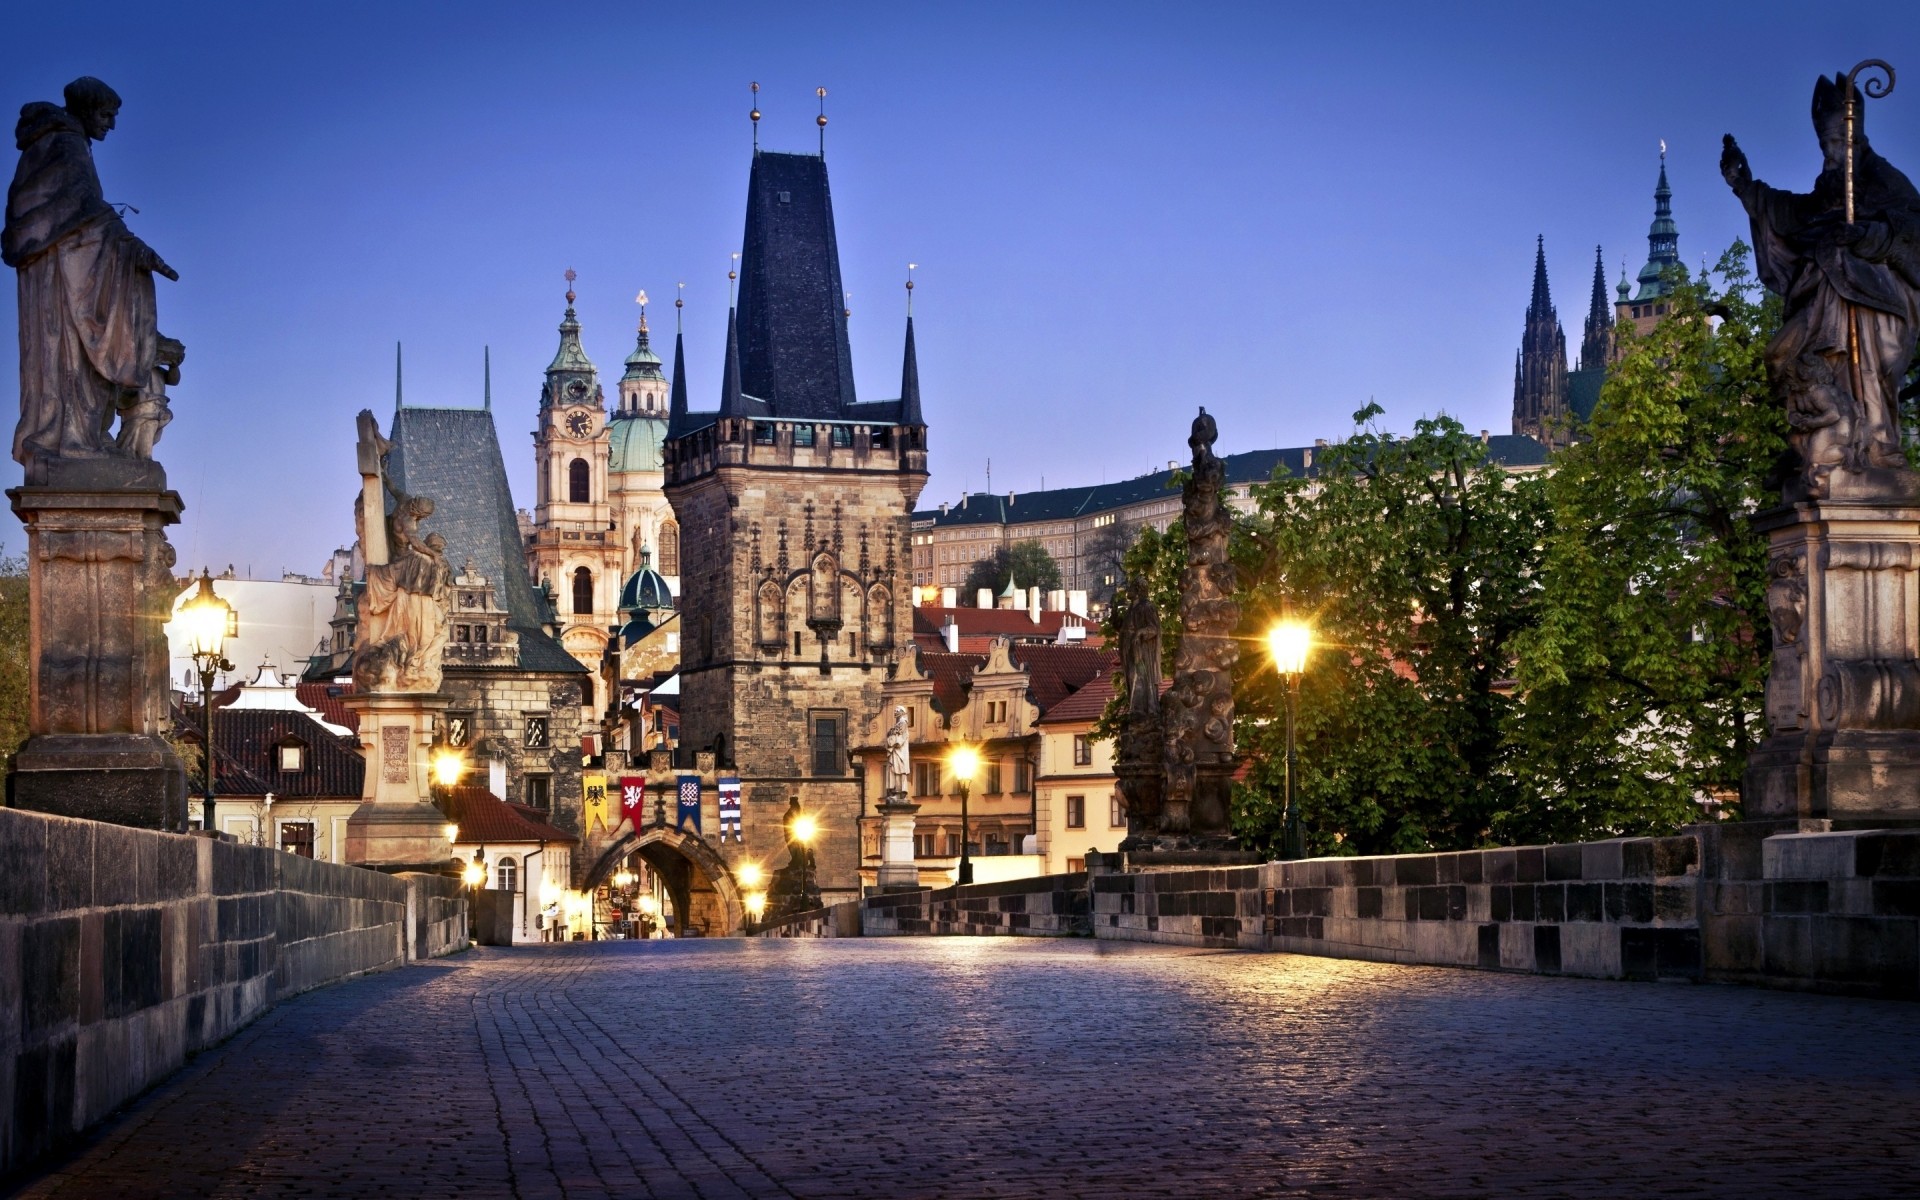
1119	211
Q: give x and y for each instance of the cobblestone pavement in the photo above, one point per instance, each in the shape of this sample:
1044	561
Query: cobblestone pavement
1000	1067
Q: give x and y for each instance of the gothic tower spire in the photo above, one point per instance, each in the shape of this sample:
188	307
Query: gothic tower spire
677	395
910	381
1540	368
730	405
1597	337
1663	240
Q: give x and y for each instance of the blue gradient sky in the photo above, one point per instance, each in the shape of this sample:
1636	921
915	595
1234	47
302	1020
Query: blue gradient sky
1120	211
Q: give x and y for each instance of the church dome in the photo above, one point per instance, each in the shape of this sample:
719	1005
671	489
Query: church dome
646	589
634	443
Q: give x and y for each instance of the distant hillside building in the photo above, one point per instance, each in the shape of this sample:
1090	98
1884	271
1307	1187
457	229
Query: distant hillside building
1549	401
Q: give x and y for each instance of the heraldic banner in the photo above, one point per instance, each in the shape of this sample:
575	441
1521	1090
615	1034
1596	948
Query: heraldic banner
730	809
599	808
689	802
633	799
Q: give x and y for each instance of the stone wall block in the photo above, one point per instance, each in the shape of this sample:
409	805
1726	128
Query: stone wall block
70	864
1529	864
1887	898
49	977
1808	856
1888	852
1516	946
1675	856
1636	858
23	868
1589	950
1499	866
1601	860
1563	862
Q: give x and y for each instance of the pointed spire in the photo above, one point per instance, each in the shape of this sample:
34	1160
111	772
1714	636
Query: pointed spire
486	376
677	397
1663	239
397	405
910	381
730	381
1597	337
1542	302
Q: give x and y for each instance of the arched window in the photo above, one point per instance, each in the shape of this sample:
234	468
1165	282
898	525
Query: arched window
582	591
669	548
507	875
578	484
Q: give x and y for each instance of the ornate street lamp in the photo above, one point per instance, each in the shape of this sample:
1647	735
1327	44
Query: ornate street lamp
806	828
964	762
1289	642
476	872
209	622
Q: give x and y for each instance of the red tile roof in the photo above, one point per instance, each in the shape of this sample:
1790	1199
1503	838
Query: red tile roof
483	817
952	676
326	698
246	760
1059	671
1085	706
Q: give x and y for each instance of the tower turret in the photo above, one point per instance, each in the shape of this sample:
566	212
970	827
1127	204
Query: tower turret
643	389
1597	338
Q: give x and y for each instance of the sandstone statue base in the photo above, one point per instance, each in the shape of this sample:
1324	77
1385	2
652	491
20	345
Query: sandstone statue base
100	590
1843	693
396	827
898	870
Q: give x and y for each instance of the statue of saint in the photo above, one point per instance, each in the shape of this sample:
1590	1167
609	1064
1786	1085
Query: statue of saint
1852	296
88	347
1140	650
899	764
402	630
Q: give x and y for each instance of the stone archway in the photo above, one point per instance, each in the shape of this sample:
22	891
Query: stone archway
704	891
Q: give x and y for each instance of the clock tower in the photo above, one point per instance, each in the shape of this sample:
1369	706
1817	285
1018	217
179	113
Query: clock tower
573	548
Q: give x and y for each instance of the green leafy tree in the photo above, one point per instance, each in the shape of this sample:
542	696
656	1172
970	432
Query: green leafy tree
1026	563
1417	562
1645	668
14	678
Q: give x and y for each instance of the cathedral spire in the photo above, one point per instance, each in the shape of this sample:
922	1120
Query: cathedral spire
1597	337
1540	369
571	376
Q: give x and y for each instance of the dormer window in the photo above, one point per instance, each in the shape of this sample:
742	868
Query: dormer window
293	756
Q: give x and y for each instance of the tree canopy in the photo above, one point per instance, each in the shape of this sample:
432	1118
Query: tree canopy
1026	564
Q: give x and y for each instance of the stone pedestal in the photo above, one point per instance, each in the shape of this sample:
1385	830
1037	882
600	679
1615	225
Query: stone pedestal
100	586
898	870
396	827
1843	695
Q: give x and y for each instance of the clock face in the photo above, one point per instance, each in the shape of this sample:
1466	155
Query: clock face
579	424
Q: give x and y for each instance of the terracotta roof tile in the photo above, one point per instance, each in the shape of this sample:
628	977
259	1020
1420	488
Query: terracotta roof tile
483	817
1059	671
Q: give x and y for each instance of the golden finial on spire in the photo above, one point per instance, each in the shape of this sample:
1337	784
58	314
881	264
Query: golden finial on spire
733	273
679	303
910	270
641	300
570	278
754	115
821	120
846	304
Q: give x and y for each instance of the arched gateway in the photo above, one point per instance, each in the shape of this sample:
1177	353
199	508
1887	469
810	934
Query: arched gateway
705	895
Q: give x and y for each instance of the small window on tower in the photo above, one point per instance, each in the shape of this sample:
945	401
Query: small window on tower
803	435
843	435
578	482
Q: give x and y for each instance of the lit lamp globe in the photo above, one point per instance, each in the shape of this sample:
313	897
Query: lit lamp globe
475	873
806	828
1289	643
756	902
447	767
964	762
751	875
623	878
649	905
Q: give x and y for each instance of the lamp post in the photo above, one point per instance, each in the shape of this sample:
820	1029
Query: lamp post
806	828
1289	642
964	761
210	621
751	876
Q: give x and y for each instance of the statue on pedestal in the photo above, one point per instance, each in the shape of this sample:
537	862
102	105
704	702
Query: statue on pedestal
88	347
1851	283
899	765
1141	743
95	504
1843	686
403	617
1199	706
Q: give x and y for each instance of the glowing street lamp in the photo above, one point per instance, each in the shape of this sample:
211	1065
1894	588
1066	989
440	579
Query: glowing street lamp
476	872
964	761
448	766
1289	642
209	621
751	875
756	902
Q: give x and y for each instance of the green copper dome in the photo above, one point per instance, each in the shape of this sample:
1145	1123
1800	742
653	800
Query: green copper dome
646	590
634	443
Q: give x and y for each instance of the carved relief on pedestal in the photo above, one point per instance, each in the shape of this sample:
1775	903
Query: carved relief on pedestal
395	759
1787	606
